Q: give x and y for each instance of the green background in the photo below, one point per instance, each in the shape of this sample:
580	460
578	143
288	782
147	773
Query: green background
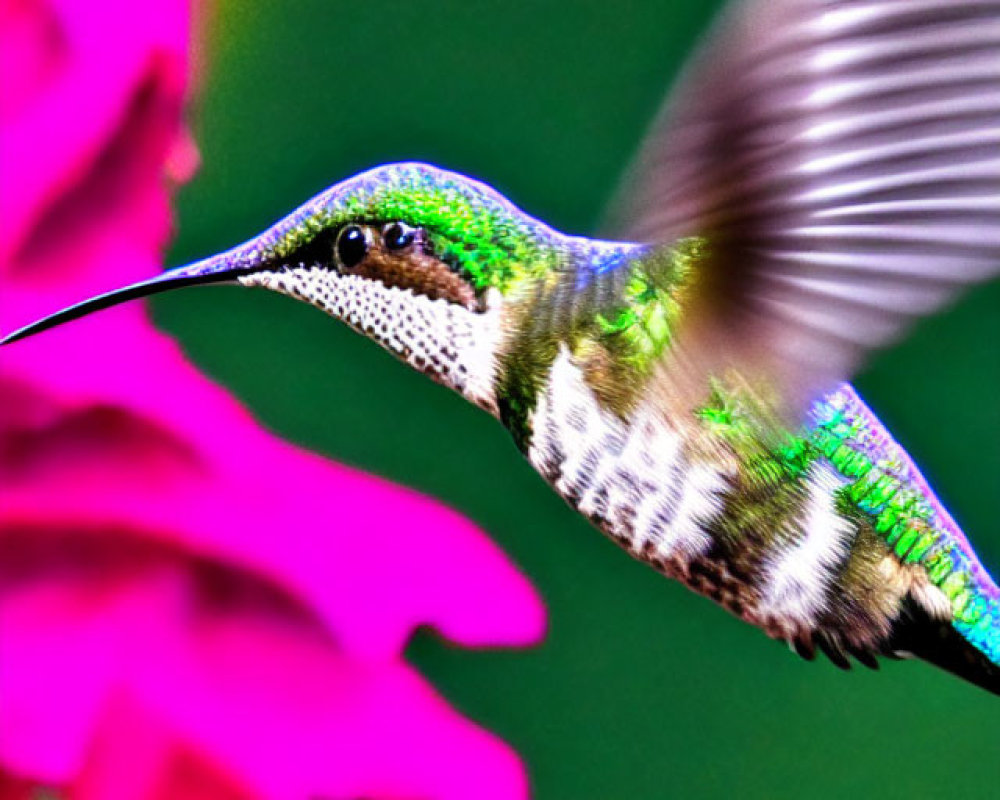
641	689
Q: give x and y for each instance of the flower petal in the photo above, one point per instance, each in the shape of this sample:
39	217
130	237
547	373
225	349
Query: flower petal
256	688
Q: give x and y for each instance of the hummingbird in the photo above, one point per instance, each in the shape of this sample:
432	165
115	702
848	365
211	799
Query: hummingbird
822	174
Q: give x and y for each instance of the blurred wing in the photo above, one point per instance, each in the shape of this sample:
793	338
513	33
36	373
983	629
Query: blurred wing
843	161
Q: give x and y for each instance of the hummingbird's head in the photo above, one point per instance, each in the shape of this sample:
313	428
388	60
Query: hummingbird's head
427	263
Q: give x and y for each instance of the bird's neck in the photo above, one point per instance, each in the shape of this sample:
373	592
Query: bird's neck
611	308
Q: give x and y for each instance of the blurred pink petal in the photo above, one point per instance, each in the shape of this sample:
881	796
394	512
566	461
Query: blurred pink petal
186	601
236	671
90	141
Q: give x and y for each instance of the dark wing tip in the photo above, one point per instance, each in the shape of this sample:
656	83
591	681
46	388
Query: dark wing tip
914	635
938	643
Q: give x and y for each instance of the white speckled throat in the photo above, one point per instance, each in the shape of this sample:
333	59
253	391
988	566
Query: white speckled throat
451	344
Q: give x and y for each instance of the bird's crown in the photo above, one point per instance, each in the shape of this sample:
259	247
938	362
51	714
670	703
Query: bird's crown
414	226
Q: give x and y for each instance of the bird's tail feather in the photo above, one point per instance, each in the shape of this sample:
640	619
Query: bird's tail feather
943	644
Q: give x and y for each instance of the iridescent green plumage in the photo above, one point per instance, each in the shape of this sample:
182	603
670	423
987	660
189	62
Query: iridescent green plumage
469	226
637	328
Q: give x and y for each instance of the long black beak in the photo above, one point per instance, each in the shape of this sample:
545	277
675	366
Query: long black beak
223	268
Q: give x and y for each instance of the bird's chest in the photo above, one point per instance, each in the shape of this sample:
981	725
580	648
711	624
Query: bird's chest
637	479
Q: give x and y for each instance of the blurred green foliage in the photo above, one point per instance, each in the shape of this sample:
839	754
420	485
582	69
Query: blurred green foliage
641	690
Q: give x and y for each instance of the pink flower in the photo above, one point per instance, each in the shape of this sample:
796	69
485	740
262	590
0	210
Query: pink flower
190	607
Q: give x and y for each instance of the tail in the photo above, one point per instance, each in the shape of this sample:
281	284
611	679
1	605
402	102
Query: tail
949	645
950	615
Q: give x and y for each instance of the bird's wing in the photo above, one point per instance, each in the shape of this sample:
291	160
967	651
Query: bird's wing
842	160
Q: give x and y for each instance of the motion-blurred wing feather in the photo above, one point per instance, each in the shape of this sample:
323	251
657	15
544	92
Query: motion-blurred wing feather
842	160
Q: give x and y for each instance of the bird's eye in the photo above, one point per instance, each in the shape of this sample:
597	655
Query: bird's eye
352	246
397	236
